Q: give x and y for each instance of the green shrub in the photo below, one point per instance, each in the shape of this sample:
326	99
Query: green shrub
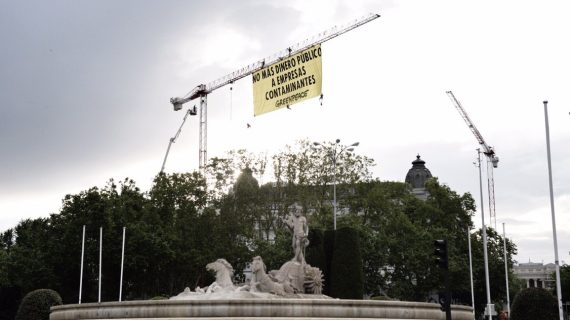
534	303
347	275
36	305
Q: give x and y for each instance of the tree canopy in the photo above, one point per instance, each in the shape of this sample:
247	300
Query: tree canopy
187	220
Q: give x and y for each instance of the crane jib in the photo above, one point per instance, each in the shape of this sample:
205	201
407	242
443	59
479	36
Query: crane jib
324	36
309	49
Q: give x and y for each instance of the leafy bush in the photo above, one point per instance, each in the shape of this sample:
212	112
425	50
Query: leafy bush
36	305
347	275
534	303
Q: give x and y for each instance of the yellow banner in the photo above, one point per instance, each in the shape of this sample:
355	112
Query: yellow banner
289	81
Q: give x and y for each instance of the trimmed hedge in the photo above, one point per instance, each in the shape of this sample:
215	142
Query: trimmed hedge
315	252
533	304
347	275
36	305
328	247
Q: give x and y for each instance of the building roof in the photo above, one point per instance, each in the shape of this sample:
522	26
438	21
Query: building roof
418	174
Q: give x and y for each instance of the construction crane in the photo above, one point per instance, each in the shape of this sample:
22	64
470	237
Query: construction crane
191	112
492	158
202	90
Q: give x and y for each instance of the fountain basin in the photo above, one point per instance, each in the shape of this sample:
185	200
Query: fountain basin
256	309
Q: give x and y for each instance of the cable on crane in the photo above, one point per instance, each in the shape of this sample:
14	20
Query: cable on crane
231	98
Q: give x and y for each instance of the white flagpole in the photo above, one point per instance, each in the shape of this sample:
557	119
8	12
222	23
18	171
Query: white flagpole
122	263
81	272
558	288
100	259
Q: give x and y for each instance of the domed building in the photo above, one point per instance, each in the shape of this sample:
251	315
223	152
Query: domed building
417	177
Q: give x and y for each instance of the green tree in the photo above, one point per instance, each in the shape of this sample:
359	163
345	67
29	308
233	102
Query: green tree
178	217
10	295
305	174
397	232
187	220
110	208
29	264
496	269
221	171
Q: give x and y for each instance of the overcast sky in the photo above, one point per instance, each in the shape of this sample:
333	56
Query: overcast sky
85	89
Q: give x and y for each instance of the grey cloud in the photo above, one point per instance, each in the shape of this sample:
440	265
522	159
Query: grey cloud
72	80
538	246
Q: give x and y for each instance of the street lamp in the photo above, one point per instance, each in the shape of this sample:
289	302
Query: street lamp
334	152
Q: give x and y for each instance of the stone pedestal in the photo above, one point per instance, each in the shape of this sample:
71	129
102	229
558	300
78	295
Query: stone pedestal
258	309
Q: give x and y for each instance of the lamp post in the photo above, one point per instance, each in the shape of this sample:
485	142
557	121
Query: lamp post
334	152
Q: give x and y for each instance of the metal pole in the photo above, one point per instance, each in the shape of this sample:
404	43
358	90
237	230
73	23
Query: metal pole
81	272
332	152
122	263
506	270
334	190
203	152
100	260
447	288
558	288
471	272
490	307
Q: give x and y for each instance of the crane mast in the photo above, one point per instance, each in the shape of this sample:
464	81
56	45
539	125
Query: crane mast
202	90
492	158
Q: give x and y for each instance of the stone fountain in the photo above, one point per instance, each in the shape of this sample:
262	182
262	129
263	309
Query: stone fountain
292	292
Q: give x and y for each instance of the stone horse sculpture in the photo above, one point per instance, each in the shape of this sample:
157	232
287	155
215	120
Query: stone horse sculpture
224	272
261	282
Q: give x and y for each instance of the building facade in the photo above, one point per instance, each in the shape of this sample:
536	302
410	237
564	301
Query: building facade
537	275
